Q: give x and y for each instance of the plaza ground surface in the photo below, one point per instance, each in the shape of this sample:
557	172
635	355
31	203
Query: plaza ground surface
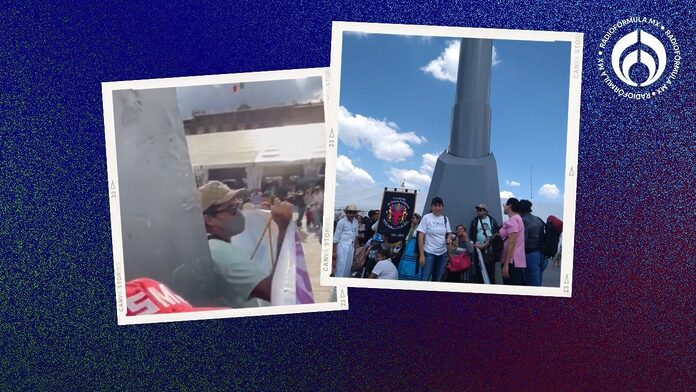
312	253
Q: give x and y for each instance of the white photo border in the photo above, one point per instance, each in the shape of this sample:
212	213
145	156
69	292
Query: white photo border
108	89
571	162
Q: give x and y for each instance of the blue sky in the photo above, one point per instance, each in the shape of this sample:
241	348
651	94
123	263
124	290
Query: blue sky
396	99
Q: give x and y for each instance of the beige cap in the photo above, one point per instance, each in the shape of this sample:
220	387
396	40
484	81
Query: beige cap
482	207
215	192
351	207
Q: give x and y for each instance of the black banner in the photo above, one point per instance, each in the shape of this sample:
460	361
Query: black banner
395	214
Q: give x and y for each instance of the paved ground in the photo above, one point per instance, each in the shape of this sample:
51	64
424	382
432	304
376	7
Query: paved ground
551	277
312	252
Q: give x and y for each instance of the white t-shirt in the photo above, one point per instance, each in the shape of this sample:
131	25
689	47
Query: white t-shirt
385	269
480	237
435	230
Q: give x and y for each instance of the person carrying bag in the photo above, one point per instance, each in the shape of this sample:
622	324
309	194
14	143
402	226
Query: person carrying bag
409	268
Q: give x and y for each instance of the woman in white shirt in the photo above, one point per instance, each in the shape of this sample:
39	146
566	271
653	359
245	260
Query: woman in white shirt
434	234
344	242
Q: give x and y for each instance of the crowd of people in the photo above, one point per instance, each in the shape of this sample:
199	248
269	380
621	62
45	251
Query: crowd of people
433	252
308	201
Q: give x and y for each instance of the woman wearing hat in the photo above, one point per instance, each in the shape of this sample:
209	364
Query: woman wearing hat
433	238
344	241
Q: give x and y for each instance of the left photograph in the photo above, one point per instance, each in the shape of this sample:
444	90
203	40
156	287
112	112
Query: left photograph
216	188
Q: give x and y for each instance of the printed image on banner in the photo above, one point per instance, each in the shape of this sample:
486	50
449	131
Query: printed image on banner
396	213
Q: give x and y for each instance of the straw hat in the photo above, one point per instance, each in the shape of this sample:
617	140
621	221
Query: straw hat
351	207
215	193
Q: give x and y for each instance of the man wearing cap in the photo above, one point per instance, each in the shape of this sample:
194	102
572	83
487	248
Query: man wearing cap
481	229
242	280
344	242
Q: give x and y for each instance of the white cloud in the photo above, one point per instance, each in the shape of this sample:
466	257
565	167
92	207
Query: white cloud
512	183
412	179
425	39
380	136
445	66
549	191
346	172
506	194
359	34
496	58
429	161
415	179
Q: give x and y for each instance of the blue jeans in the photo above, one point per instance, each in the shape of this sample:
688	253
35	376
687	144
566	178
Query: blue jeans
435	266
536	264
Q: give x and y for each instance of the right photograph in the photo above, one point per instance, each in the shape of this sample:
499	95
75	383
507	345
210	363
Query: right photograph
456	158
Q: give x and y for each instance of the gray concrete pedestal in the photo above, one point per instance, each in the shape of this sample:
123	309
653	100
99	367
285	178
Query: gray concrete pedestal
463	183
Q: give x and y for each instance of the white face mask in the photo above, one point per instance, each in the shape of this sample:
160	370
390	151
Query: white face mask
234	225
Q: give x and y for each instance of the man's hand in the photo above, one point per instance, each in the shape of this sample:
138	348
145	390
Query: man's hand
421	260
282	212
506	271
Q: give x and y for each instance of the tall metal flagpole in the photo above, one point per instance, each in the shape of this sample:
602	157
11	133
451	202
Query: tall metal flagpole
466	174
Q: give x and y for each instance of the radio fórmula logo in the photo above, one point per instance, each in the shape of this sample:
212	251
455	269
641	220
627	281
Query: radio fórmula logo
639	51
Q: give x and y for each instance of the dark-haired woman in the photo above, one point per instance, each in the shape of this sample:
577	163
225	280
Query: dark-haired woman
433	238
463	246
513	258
409	268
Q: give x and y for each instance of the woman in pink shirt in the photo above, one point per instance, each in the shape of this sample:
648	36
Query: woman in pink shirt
513	257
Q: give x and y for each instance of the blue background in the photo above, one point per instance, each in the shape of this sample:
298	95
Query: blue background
626	326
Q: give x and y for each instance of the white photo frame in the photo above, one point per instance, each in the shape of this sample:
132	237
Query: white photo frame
340	294
571	159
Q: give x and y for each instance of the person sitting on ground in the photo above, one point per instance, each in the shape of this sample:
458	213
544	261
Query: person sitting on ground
464	245
375	244
241	280
384	269
393	248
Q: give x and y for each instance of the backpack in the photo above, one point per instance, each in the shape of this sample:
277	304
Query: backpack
550	246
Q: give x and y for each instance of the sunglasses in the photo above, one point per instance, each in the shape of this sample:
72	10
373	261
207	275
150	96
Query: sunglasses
481	209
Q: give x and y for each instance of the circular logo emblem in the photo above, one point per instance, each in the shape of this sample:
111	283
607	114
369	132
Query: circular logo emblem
639	58
398	215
